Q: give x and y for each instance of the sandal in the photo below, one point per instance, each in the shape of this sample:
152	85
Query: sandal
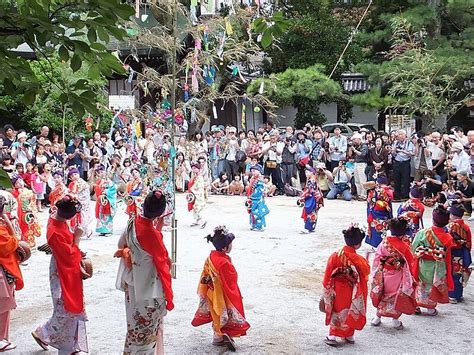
432	314
40	342
332	342
229	342
8	346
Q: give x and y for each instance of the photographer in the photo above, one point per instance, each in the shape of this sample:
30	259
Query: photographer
342	178
318	154
422	158
402	151
272	150
75	154
304	148
438	156
431	185
358	152
337	148
324	178
21	150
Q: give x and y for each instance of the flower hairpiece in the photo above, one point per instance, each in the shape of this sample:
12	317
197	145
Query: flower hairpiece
356	226
223	229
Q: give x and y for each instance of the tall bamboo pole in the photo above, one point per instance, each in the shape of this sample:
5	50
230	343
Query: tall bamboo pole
174	222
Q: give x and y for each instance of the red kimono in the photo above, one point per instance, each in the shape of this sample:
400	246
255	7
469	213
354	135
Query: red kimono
345	292
68	262
220	297
151	240
8	256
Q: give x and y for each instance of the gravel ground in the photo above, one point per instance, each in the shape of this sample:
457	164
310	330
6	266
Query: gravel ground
280	273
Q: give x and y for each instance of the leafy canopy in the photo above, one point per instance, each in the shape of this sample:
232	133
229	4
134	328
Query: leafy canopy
75	30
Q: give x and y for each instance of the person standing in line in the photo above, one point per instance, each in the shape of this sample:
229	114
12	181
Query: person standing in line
337	148
403	150
432	249
461	252
145	277
220	300
344	299
11	279
66	329
393	285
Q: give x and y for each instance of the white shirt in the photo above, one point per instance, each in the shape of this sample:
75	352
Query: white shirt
462	162
271	154
436	152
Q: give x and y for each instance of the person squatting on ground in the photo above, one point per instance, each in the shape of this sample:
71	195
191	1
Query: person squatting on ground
344	298
66	329
145	277
220	300
393	285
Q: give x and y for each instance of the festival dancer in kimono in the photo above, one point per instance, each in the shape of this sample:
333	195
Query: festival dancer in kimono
461	252
27	211
393	286
220	300
255	203
197	195
134	192
379	211
11	279
59	191
11	209
345	289
144	275
106	204
413	210
66	329
81	190
313	201
432	250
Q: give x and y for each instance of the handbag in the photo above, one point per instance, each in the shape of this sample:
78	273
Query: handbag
271	164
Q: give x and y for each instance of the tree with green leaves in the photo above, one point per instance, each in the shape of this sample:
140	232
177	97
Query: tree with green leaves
419	57
75	31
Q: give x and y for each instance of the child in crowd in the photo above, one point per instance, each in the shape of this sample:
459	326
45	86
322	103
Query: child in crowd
28	174
220	300
38	186
7	165
220	185
236	187
268	188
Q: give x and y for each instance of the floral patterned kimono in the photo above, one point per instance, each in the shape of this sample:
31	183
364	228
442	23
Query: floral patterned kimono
27	215
81	189
413	211
220	301
196	186
393	286
144	275
379	211
345	292
106	205
461	256
313	201
133	197
432	249
11	208
256	206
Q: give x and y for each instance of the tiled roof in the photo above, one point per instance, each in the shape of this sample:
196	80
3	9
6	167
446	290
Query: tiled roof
354	82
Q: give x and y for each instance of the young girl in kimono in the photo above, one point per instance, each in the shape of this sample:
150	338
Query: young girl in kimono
313	201
59	190
106	204
11	279
256	206
66	329
220	300
413	210
145	277
461	252
81	190
345	289
393	285
197	195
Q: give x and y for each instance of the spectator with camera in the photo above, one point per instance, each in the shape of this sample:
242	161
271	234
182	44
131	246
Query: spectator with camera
436	147
272	150
422	157
377	160
337	148
342	186
358	152
319	146
288	160
304	147
75	154
461	161
21	149
402	150
324	179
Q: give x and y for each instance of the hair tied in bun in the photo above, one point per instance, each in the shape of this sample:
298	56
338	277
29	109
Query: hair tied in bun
158	194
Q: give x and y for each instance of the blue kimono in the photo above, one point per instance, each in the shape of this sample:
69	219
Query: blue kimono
461	257
379	211
258	209
105	208
312	203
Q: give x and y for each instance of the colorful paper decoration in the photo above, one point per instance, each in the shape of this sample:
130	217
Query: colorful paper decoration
89	123
214	111
228	27
244	109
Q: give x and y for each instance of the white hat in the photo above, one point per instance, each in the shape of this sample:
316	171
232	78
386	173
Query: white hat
21	135
118	138
232	129
457	146
356	136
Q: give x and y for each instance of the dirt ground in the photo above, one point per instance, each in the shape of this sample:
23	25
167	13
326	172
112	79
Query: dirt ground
280	273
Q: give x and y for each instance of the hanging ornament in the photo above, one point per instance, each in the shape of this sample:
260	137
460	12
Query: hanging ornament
257	109
206	38
235	71
244	109
193	115
262	87
138	129
214	111
89	123
186	92
165	104
228	27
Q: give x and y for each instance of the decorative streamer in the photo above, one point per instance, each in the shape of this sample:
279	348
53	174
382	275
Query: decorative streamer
261	88
228	27
244	109
214	111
